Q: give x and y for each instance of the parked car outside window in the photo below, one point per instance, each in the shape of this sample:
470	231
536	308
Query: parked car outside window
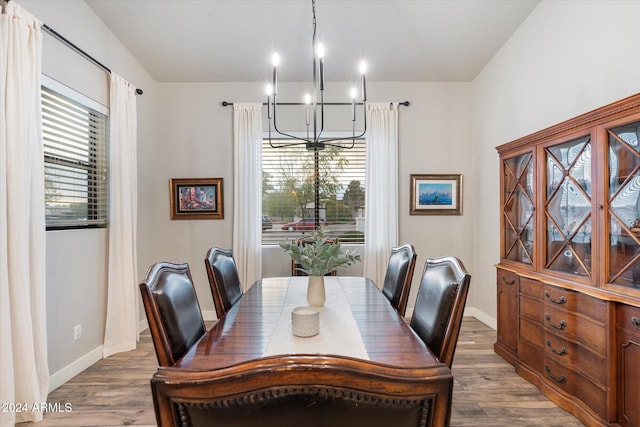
302	224
267	224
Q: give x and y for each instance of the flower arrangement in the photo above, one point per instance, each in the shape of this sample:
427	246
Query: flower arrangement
318	255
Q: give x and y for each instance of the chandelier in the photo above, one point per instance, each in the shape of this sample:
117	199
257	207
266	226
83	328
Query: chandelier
314	104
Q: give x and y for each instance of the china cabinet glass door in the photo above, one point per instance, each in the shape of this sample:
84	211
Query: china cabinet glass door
623	214
568	207
518	209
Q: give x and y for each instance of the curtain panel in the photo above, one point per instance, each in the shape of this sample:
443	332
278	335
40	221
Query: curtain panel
381	203
24	372
121	329
247	191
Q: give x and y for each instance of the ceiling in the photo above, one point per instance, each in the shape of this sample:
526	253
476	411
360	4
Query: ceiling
233	40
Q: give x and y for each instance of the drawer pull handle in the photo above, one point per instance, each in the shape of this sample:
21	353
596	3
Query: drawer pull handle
561	326
561	379
636	322
562	299
561	352
510	282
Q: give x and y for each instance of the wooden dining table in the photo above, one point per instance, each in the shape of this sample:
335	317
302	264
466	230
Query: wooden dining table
242	337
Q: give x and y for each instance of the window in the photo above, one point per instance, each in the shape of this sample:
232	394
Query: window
288	192
76	160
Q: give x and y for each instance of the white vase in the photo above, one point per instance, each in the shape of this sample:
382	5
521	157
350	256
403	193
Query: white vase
315	291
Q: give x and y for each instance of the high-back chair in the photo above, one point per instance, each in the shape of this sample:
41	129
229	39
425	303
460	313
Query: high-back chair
442	295
397	280
223	279
172	309
309	390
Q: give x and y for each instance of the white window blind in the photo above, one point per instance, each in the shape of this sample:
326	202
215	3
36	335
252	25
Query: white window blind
288	191
76	162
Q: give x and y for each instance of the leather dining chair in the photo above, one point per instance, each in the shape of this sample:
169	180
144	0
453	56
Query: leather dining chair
290	390
223	279
397	280
172	309
439	307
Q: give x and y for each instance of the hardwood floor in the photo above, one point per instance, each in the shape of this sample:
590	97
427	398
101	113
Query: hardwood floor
487	391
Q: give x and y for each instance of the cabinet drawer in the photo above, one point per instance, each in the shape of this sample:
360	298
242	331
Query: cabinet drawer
508	278
577	385
532	332
628	318
576	329
530	344
574	301
531	356
531	308
531	287
576	358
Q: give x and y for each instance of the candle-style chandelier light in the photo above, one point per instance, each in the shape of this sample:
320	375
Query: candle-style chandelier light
314	104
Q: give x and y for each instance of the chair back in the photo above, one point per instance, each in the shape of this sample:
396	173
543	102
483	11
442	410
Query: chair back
223	279
172	309
397	280
439	307
310	391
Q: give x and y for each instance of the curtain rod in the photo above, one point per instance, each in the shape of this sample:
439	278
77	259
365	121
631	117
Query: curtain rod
71	45
228	103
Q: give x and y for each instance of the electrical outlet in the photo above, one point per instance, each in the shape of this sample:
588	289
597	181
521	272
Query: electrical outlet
77	332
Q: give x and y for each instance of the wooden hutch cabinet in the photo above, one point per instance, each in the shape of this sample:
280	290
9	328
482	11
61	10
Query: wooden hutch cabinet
568	281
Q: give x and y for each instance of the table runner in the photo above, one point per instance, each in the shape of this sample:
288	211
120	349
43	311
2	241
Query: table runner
339	334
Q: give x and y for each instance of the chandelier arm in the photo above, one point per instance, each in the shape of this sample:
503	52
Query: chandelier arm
275	126
346	147
290	144
319	134
327	141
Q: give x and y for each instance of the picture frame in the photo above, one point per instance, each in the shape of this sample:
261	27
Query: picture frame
436	195
196	198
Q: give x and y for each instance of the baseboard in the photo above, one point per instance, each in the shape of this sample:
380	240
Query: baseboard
73	369
481	316
470	312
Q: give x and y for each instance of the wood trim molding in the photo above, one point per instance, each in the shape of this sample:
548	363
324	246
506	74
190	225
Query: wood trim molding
600	115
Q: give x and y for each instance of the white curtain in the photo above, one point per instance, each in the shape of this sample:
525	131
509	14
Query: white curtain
24	372
381	183
247	191
121	331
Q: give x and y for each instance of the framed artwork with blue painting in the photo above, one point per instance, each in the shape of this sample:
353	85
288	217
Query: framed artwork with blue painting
436	195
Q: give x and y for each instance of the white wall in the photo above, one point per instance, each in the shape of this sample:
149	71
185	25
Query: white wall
195	140
76	259
567	58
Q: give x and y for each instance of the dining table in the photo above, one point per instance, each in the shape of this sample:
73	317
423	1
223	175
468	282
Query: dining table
359	331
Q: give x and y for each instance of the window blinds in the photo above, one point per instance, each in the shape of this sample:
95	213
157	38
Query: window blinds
76	162
288	191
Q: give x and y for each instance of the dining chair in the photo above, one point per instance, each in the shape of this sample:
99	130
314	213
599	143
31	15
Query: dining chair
397	280
224	280
303	390
437	315
172	309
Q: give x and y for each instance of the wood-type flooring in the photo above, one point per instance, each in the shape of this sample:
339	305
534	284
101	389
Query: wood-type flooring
487	391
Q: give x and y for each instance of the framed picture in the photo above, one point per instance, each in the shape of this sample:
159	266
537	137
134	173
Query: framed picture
436	195
196	198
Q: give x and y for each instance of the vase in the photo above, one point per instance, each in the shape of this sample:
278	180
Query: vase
315	291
